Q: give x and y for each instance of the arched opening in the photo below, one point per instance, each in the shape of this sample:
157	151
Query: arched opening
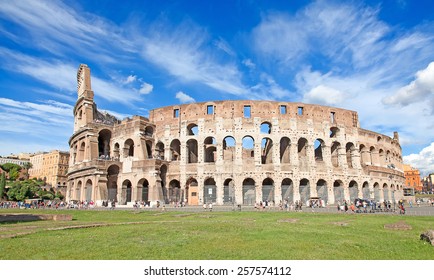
210	149
149	131
229	148
192	150
249	192
129	148
163	183
374	157
209	191
191	190
266	128
382	157
302	152
88	190
365	191
334	132
304	190
145	190
377	192
160	150
266	151
349	148
318	146
116	151
229	192
321	190
268	190
365	158
174	192
104	137
81	152
285	154
175	148
353	189
287	189
335	153
78	190
112	179
248	148
127	191
149	149
192	129
386	192
338	191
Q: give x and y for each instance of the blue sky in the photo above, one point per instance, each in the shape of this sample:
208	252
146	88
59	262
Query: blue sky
375	57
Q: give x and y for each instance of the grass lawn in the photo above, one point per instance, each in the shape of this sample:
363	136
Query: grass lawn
151	235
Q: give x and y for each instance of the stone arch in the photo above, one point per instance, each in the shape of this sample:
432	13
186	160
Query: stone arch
266	128
374	156
248	144
285	151
149	145
334	150
386	192
175	148
209	191
304	190
143	184
192	129
268	190
377	192
322	191
192	151
353	190
229	191
334	132
174	192
349	149
191	190
88	190
129	148
210	149
319	145
163	183
116	151
127	192
112	182
366	193
81	151
149	131
160	150
287	189
381	157
338	191
229	148
266	150
104	137
249	191
78	190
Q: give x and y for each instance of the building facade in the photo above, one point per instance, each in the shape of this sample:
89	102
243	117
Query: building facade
229	152
412	178
51	167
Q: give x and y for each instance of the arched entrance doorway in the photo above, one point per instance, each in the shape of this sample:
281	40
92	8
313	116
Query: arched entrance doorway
249	192
209	191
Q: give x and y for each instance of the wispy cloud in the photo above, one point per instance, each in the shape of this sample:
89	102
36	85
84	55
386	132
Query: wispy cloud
146	88
184	98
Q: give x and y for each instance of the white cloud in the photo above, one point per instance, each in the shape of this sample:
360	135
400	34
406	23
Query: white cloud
130	79
324	95
184	98
419	90
424	160
146	88
249	63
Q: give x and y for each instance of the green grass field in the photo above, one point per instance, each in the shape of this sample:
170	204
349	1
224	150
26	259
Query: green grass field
151	235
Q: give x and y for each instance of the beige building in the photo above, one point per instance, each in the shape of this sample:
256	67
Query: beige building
229	152
51	166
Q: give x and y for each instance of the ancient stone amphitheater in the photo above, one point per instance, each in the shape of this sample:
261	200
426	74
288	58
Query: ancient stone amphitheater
229	152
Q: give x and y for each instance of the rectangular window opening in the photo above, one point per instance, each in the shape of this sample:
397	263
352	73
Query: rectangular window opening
176	113
210	110
282	109
247	111
300	111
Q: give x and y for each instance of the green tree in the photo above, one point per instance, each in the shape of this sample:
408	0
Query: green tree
27	166
13	170
2	185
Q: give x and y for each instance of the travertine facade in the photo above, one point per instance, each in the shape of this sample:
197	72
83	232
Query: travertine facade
229	152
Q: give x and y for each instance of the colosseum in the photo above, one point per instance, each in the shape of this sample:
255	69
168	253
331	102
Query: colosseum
228	152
